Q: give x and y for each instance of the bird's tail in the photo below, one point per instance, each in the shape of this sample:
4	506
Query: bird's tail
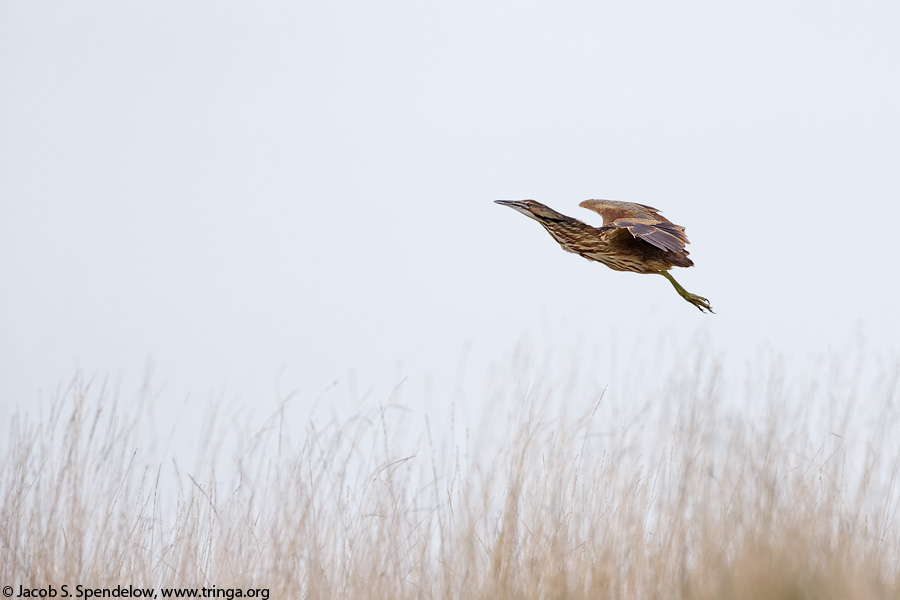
680	259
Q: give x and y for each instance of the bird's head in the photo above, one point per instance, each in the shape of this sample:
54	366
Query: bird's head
533	209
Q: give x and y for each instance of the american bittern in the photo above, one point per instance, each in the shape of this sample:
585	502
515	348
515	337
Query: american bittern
634	237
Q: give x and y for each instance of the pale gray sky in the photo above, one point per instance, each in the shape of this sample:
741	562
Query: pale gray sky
241	189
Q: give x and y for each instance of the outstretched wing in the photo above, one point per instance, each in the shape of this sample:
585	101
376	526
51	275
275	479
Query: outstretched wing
611	210
642	222
666	236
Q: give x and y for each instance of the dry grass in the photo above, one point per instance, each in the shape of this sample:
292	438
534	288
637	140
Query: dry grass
776	493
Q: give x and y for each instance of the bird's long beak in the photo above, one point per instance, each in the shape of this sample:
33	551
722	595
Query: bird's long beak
517	205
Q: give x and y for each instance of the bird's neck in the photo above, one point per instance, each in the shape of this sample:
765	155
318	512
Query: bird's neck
569	232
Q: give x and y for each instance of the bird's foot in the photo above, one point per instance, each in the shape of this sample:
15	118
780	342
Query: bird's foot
698	301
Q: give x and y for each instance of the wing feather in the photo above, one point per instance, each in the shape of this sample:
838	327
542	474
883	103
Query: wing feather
642	221
666	236
611	210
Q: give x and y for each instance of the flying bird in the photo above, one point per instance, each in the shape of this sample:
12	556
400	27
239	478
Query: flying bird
634	237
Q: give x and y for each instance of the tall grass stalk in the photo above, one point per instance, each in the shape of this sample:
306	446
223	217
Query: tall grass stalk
687	494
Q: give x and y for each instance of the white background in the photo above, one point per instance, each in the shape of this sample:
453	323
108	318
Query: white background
292	194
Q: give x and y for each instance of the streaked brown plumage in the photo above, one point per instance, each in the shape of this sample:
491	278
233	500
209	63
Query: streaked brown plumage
633	237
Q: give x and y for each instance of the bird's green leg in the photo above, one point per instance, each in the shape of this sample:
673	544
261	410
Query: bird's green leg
698	301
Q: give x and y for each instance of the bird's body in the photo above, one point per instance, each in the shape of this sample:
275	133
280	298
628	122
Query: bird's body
633	237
